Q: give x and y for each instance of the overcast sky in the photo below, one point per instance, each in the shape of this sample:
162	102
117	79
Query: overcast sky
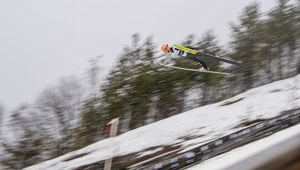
42	41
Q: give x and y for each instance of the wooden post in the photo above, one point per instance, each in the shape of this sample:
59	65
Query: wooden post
112	133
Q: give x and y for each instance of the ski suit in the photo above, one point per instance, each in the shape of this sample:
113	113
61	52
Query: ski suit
177	49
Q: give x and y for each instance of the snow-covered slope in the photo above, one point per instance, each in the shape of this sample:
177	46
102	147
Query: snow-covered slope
199	125
254	154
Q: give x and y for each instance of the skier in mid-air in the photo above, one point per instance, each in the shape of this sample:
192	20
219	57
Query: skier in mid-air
195	54
187	52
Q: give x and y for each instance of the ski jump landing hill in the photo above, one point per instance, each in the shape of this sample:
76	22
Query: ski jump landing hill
207	131
280	151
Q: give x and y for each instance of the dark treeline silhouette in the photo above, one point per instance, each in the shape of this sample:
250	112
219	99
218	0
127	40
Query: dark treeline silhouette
72	114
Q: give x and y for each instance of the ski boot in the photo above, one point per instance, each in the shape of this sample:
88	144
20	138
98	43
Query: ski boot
203	69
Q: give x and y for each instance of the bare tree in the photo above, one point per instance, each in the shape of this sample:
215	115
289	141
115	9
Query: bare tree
93	76
28	139
63	103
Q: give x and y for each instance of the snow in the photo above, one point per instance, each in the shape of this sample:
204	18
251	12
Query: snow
150	152
261	151
200	124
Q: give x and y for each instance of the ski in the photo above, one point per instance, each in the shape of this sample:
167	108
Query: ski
201	54
195	70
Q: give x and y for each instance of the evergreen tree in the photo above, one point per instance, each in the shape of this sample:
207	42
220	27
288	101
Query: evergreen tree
171	84
283	35
128	87
88	129
245	43
144	83
210	83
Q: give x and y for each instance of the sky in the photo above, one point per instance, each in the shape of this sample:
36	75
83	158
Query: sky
43	41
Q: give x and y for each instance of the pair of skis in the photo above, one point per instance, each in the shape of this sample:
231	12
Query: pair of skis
195	70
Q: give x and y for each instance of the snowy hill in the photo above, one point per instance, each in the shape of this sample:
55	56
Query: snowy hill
261	152
189	128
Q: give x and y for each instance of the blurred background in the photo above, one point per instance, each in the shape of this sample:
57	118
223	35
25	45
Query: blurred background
69	67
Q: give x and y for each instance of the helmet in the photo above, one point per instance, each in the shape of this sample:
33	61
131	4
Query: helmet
165	48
